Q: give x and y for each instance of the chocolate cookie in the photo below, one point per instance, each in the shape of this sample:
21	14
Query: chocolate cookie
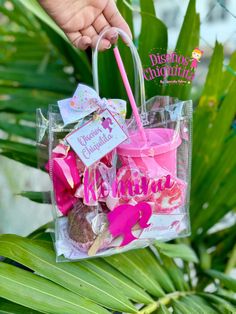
79	224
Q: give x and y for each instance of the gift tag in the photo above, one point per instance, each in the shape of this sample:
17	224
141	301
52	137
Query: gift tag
96	138
163	224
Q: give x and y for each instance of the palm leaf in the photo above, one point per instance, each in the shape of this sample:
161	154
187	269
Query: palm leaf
36	9
24	153
38	197
158	39
178	250
135	270
40	294
118	280
224	279
188	39
175	274
7	307
74	277
96	278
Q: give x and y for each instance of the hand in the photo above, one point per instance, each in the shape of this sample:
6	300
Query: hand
83	20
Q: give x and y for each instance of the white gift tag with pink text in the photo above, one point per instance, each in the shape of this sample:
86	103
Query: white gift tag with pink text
96	138
164	224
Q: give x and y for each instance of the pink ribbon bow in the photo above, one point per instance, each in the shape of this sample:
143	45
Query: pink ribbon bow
65	170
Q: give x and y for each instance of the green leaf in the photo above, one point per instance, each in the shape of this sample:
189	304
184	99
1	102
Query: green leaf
211	183
219	141
156	43
6	145
227	295
162	310
205	113
48	80
205	257
38	197
40	294
17	100
210	93
118	280
216	238
19	130
43	228
67	51
148	7
175	273
106	62
24	116
189	33
218	206
36	9
221	125
188	40
226	280
177	250
153	268
232	258
16	16
198	305
218	301
20	152
195	308
44	239
127	264
7	307
180	307
72	276
23	158
228	75
125	8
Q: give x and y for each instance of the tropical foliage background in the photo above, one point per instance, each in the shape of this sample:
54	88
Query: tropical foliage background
39	66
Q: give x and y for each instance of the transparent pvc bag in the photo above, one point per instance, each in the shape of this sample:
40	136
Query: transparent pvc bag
137	193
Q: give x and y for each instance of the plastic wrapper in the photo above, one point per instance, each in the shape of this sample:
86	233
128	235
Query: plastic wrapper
117	184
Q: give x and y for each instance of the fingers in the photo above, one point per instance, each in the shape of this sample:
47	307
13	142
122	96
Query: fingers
115	19
77	17
100	24
112	35
79	41
108	19
87	38
91	33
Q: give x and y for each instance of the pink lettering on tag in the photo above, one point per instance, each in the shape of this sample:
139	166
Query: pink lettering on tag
96	138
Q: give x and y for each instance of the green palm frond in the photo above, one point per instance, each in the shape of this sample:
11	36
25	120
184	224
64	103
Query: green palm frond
118	282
